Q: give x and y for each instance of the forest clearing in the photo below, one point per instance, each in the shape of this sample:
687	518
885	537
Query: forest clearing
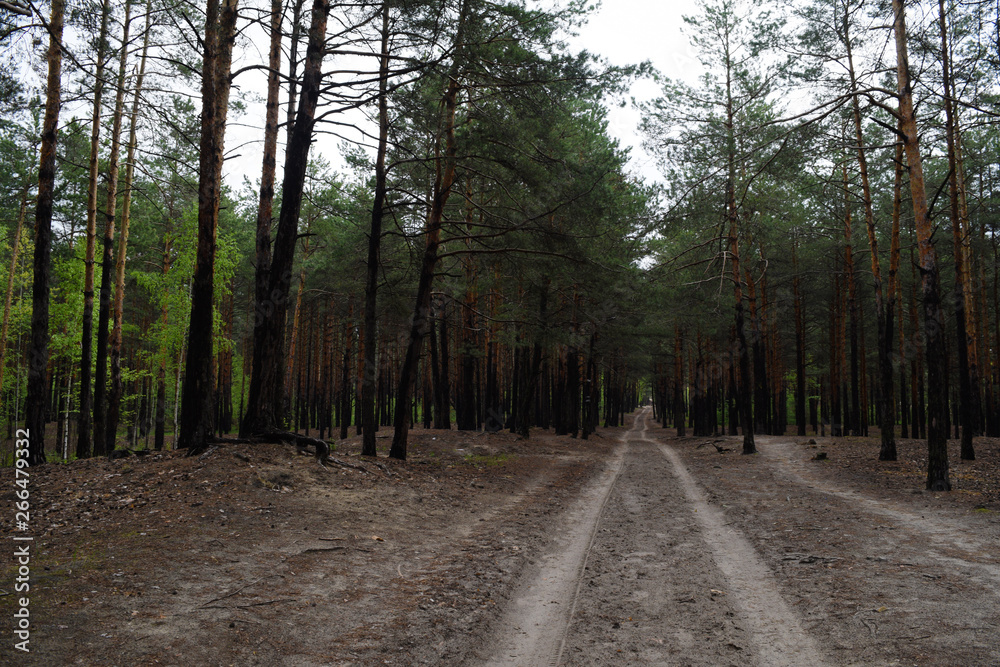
471	553
439	332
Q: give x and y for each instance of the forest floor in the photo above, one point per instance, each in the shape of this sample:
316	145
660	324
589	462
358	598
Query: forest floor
632	547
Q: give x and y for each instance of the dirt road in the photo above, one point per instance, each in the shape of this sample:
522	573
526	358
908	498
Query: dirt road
648	572
633	547
664	561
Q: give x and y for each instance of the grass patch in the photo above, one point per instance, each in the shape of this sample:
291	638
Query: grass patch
488	460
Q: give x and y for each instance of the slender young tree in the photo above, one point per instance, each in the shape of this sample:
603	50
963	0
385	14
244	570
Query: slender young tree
115	340
83	444
14	254
800	344
883	309
368	424
101	435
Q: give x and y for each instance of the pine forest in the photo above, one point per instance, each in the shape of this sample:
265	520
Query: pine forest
361	230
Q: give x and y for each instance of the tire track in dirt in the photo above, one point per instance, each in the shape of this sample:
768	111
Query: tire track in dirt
953	542
775	630
678	546
652	593
541	609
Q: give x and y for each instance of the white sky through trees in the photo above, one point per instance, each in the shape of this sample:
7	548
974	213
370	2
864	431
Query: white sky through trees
632	31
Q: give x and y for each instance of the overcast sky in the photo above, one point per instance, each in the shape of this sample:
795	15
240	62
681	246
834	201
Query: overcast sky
631	31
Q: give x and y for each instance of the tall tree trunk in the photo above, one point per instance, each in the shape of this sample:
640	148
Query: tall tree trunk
836	345
293	351
345	374
589	417
161	374
743	397
466	371
115	341
265	206
197	402
445	178
986	364
435	371
883	309
83	444
264	411
968	376
224	377
800	346
107	247
761	396
853	422
937	362
38	353
443	388
368	425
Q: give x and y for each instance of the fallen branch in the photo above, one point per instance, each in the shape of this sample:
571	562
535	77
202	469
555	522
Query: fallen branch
345	464
261	604
211	450
229	595
322	449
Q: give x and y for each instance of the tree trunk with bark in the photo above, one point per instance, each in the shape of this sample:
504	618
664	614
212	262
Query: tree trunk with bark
445	178
38	353
115	341
800	346
265	205
159	420
345	375
744	398
968	375
883	308
937	362
83	443
264	412
852	422
197	402
101	435
368	425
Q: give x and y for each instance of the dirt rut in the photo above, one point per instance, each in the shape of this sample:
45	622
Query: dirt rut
647	572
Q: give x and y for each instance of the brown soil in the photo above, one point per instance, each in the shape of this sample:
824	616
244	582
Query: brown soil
256	555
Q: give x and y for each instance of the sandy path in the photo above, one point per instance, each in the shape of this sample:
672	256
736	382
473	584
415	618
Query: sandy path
947	538
542	607
775	630
648	572
878	577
